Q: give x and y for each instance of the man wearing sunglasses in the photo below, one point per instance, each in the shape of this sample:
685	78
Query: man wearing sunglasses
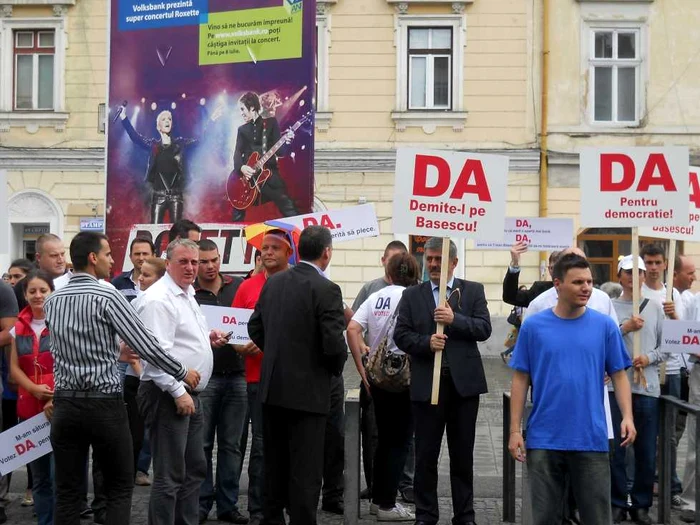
466	318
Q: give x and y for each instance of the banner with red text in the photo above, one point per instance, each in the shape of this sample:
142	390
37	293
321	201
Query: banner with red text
689	232
233	321
450	193
538	233
628	187
346	224
24	443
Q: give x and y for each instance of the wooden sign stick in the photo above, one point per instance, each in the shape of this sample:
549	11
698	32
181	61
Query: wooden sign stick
636	292
442	299
669	295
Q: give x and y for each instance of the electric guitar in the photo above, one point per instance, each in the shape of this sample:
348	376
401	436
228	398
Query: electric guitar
241	191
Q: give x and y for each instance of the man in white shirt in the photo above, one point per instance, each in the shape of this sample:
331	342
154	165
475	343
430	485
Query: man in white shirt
171	409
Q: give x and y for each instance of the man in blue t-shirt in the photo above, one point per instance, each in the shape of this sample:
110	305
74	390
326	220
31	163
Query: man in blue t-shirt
564	353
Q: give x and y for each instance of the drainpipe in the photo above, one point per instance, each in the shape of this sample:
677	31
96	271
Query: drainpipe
544	176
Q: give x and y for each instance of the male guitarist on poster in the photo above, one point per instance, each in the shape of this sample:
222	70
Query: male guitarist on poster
259	134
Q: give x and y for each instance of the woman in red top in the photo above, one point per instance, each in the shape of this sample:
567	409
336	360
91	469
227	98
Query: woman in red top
31	367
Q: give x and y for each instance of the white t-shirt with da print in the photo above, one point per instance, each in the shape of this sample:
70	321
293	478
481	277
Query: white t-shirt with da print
376	312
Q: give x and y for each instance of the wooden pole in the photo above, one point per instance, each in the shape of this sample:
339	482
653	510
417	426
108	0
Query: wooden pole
636	292
442	293
669	294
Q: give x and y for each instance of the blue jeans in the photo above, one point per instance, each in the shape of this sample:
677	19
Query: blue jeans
256	465
645	410
144	462
224	405
42	488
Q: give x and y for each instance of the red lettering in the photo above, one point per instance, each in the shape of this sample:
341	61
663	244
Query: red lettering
19	448
691	340
606	172
656	162
420	176
694	189
327	222
30	445
479	187
522	223
521	237
309	221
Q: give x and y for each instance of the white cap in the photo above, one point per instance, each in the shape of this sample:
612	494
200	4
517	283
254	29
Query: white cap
627	263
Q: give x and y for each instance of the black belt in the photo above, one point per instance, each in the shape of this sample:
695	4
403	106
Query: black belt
227	373
191	392
168	193
85	394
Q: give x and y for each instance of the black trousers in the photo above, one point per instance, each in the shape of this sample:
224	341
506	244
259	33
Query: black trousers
78	424
368	434
334	446
293	451
457	414
161	202
136	423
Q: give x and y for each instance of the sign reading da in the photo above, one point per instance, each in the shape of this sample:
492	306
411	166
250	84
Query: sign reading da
689	232
450	193
634	186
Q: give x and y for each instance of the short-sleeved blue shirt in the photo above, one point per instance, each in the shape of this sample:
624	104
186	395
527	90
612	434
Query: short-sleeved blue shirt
567	360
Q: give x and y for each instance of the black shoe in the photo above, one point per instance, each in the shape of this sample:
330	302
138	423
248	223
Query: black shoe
334	507
86	512
203	518
408	495
640	516
233	517
3	516
100	517
366	494
688	516
618	514
420	522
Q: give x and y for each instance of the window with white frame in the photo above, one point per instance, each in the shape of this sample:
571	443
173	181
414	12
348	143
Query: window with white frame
322	45
615	63
429	56
34	54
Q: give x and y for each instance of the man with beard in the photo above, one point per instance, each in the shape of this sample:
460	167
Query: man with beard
276	249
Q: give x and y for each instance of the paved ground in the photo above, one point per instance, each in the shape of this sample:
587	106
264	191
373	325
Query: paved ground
487	466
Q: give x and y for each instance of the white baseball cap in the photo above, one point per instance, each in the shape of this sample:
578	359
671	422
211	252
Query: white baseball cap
627	263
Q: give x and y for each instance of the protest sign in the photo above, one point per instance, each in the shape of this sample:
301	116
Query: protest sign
228	320
202	75
690	231
627	187
679	337
538	233
345	224
24	443
450	193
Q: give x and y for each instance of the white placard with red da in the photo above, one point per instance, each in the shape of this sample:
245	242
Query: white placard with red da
689	232
680	337
450	193
630	187
538	233
24	443
229	320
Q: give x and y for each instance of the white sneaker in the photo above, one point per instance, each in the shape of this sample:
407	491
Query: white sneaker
398	513
373	508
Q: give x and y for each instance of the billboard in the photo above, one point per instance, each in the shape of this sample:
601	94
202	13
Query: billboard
210	113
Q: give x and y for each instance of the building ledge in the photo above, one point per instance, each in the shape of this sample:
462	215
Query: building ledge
429	120
38	2
323	120
401	6
33	120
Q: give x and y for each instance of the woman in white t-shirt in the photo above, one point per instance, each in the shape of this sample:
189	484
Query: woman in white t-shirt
392	409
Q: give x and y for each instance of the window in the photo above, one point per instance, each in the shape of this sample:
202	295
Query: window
430	71
429	68
604	247
34	54
615	75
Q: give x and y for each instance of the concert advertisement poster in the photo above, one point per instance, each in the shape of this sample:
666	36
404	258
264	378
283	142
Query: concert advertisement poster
210	119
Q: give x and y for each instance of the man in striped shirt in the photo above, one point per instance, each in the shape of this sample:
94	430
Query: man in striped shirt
84	319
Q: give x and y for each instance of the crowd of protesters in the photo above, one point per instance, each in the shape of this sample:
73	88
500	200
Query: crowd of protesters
130	370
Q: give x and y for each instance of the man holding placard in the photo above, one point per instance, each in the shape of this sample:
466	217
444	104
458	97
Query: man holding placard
466	318
645	399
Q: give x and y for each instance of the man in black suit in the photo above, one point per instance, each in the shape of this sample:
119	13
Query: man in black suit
298	324
259	134
511	292
462	380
